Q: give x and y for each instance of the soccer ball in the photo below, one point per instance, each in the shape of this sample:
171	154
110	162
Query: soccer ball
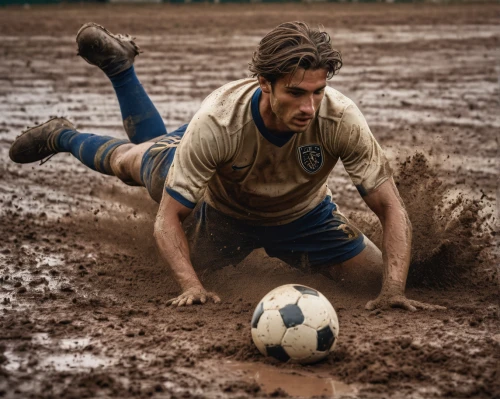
295	323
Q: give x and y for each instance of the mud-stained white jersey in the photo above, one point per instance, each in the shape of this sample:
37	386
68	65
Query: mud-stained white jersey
229	158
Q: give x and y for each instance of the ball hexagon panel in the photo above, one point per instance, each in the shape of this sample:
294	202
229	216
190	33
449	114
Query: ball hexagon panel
280	297
316	313
270	328
300	342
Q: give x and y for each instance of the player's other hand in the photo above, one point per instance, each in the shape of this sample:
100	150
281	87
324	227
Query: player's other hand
386	301
192	296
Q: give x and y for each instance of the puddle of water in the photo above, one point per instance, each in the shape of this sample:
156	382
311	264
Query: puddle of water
295	383
14	361
58	361
66	362
64	343
79	343
51	260
41	339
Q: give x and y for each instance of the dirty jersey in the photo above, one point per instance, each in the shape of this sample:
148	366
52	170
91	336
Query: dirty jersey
229	158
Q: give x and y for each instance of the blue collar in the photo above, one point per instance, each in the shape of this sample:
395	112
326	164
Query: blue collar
278	141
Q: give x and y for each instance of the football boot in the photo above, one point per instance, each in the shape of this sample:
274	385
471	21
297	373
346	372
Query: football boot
38	142
111	53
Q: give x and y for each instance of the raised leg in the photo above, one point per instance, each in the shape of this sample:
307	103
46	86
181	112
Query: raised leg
141	119
114	55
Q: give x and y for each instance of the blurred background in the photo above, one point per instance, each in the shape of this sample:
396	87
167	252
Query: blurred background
6	2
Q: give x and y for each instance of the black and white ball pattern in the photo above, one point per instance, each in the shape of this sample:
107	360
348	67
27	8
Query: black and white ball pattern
295	322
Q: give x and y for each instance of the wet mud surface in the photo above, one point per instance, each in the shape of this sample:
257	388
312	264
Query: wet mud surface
83	292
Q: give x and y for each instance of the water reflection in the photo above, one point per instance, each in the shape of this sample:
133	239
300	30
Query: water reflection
295	383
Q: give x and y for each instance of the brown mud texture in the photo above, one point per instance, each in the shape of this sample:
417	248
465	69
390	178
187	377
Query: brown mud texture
82	290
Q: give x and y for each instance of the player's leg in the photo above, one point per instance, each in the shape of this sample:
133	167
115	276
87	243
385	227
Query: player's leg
366	267
325	240
103	154
114	55
126	160
146	164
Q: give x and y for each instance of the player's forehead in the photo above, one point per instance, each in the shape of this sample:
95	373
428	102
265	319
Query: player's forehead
305	79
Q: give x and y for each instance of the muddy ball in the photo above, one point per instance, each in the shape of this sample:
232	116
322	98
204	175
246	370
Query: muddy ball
295	323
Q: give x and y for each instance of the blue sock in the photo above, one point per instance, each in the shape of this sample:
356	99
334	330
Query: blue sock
141	120
92	150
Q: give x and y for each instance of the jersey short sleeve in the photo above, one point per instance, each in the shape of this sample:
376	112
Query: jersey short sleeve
363	158
202	149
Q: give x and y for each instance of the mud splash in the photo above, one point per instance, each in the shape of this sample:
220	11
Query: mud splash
452	232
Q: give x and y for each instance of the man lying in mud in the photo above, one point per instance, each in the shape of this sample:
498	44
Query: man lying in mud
255	159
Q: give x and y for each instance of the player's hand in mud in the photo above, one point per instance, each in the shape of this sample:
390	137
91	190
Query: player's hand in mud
193	296
387	301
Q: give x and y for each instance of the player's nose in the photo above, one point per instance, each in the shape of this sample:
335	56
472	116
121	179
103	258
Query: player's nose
307	107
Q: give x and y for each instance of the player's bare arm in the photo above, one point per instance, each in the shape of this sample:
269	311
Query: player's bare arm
174	249
386	203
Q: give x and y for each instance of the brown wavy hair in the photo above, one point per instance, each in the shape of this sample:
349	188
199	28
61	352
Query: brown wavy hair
293	45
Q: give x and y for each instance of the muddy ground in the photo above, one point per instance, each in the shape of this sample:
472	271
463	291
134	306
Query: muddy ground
82	291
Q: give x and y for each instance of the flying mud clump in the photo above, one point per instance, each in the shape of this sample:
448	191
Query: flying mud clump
451	233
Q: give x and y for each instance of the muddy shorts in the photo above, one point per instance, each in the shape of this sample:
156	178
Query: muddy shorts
157	160
322	237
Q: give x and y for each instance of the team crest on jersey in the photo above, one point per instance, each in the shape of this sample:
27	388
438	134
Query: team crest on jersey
310	157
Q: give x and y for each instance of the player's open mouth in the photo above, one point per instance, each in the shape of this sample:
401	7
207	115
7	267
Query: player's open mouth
302	121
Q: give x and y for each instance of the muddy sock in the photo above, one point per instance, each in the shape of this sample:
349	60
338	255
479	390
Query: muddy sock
91	150
141	120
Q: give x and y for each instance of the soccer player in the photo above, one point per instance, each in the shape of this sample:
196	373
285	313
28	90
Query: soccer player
255	159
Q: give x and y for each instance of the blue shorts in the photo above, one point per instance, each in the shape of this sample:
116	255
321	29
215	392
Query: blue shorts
321	237
324	236
157	160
